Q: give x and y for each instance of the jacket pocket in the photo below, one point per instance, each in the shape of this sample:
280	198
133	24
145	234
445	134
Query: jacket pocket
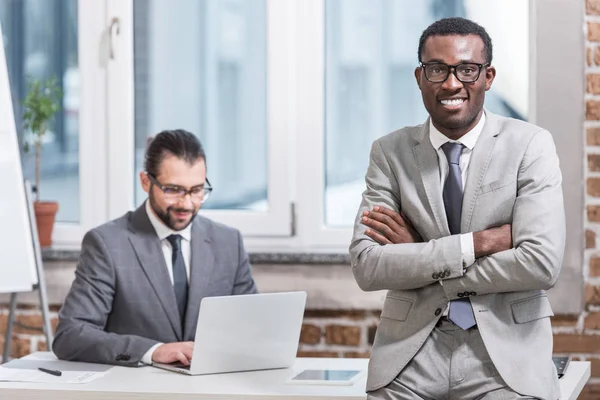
504	181
531	309
396	308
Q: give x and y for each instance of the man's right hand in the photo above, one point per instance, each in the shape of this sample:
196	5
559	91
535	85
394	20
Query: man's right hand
493	240
174	352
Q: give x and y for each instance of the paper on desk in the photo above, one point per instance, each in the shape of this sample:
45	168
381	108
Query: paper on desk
36	376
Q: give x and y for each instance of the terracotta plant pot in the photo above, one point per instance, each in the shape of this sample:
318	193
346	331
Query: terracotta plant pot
45	213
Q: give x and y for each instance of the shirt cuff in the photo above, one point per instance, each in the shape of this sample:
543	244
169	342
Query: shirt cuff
467	249
147	358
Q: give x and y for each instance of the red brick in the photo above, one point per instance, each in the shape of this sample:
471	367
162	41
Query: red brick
594	162
345	314
357	354
590	239
592	7
33	321
593	31
590	392
593	187
593	83
310	334
593	136
588	56
597	55
595	266
592	321
595	367
343	335
42	345
592	295
564	343
593	213
19	347
564	320
319	354
592	110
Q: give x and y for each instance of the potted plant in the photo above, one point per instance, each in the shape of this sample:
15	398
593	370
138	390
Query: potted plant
42	102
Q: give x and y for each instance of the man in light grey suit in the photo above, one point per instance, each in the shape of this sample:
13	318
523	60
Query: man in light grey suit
140	278
462	221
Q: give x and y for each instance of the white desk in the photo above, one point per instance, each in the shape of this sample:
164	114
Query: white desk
151	383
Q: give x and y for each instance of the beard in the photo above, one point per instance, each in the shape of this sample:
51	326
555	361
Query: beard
167	219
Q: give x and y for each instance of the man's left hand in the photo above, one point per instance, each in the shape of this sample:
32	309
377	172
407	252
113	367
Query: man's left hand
389	227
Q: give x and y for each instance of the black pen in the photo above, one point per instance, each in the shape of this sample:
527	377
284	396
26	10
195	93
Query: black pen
50	371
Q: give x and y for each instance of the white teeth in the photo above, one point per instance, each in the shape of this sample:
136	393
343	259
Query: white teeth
453	102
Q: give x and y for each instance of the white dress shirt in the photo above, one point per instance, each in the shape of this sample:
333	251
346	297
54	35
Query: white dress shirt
163	231
469	139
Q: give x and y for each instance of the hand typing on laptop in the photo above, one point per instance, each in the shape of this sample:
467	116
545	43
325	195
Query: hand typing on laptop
174	352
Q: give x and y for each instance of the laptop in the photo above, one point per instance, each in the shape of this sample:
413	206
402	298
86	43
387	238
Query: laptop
245	333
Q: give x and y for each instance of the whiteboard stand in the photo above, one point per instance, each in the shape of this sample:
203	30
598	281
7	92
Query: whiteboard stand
40	286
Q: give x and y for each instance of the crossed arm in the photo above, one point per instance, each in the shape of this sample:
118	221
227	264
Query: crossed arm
390	227
526	255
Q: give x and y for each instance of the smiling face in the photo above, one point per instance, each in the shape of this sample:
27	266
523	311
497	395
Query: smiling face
178	213
454	107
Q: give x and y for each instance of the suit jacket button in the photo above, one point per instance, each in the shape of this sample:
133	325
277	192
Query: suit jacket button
438	312
473	294
447	273
460	294
435	275
123	357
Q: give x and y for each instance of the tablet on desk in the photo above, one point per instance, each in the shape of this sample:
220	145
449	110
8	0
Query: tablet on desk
325	377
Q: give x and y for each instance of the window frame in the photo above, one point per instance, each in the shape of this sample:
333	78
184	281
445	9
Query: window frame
296	128
92	164
277	221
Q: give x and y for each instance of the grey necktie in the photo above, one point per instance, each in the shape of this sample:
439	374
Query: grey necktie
180	284
461	312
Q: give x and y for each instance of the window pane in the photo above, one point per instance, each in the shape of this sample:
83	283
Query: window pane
208	78
40	40
371	53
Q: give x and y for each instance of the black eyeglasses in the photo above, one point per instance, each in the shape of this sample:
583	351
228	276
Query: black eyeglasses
437	72
174	193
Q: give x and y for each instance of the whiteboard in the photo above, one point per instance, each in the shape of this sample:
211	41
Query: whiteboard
18	271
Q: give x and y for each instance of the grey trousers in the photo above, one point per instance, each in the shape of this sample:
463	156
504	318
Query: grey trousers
452	364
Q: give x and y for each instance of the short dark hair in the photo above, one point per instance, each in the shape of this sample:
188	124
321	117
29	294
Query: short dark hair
457	26
179	143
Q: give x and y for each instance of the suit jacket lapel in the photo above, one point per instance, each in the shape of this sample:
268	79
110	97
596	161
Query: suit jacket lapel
478	165
202	262
428	163
148	249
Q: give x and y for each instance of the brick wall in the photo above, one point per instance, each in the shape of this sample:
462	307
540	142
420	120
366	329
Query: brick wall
579	335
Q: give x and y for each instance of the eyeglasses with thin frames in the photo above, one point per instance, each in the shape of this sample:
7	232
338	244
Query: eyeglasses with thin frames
438	72
174	193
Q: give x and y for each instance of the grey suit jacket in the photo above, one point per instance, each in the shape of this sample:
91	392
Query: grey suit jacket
122	301
513	177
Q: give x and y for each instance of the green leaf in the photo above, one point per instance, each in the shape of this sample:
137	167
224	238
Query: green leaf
42	102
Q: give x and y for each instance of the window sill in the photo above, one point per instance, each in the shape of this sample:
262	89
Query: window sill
50	254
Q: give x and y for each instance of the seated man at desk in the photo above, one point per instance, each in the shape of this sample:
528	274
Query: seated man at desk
141	277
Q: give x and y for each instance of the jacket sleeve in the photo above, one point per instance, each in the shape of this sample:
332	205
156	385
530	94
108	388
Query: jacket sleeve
538	230
397	266
80	334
